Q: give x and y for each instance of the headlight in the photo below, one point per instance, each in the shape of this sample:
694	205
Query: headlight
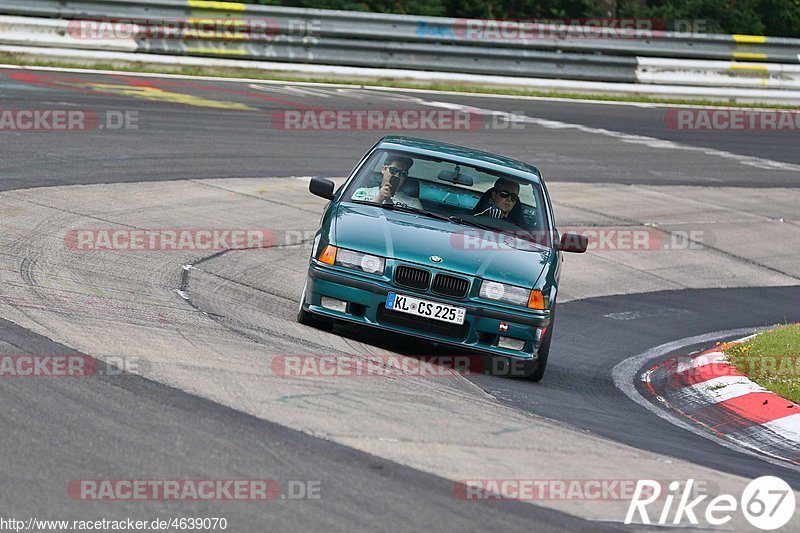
492	290
511	294
371	264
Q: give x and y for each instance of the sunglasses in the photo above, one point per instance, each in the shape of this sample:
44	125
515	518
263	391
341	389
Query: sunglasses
396	171
506	194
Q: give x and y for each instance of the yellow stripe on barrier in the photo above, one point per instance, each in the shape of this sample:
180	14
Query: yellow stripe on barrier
750	39
226	6
221	28
746	55
216	51
759	68
226	22
213	36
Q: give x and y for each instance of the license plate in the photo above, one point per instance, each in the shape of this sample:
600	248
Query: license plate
418	307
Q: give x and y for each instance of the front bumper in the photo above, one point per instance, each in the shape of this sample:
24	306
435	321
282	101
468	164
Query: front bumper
366	305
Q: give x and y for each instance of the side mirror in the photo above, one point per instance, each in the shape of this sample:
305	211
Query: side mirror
573	242
322	187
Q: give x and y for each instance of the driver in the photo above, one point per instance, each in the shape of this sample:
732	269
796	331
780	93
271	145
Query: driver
505	195
395	172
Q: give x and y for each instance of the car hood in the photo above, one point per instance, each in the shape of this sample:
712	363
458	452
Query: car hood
415	238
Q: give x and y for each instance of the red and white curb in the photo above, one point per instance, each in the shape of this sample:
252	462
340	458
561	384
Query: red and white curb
709	390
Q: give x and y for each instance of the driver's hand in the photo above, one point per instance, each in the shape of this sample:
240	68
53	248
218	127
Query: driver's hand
384	194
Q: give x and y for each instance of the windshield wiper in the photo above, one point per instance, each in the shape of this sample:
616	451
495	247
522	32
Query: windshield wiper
518	234
467	222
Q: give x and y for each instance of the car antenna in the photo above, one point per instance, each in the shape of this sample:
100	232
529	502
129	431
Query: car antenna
458	171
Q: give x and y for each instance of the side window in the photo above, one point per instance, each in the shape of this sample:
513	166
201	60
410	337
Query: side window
374	177
368	177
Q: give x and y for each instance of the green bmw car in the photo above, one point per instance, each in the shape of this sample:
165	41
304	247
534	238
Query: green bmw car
444	243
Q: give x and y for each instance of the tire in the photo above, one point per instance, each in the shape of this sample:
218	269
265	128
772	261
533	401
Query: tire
309	319
540	365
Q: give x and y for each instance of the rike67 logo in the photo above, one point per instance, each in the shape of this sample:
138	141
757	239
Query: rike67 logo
768	503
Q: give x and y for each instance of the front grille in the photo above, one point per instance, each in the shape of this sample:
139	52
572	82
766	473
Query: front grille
427	325
450	286
413	278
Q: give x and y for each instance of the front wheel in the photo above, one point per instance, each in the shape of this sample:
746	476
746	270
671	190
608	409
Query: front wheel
309	319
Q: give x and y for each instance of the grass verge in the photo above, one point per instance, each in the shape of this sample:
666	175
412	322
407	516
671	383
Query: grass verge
771	359
257	74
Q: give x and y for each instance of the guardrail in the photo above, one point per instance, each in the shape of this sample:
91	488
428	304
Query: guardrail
332	51
428	30
356	39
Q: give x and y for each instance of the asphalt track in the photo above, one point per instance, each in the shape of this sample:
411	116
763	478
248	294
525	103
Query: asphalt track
139	425
196	141
55	431
591	339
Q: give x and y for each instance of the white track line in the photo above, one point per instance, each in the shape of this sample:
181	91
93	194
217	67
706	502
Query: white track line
788	427
702	360
723	388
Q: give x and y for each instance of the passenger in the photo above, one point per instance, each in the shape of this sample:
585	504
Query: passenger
395	172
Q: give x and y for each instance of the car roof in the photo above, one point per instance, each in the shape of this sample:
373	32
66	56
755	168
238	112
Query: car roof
461	154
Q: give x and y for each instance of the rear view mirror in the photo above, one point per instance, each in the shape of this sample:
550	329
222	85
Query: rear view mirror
453	177
573	242
322	187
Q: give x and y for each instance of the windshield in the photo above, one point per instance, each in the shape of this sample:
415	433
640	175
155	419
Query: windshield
471	195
